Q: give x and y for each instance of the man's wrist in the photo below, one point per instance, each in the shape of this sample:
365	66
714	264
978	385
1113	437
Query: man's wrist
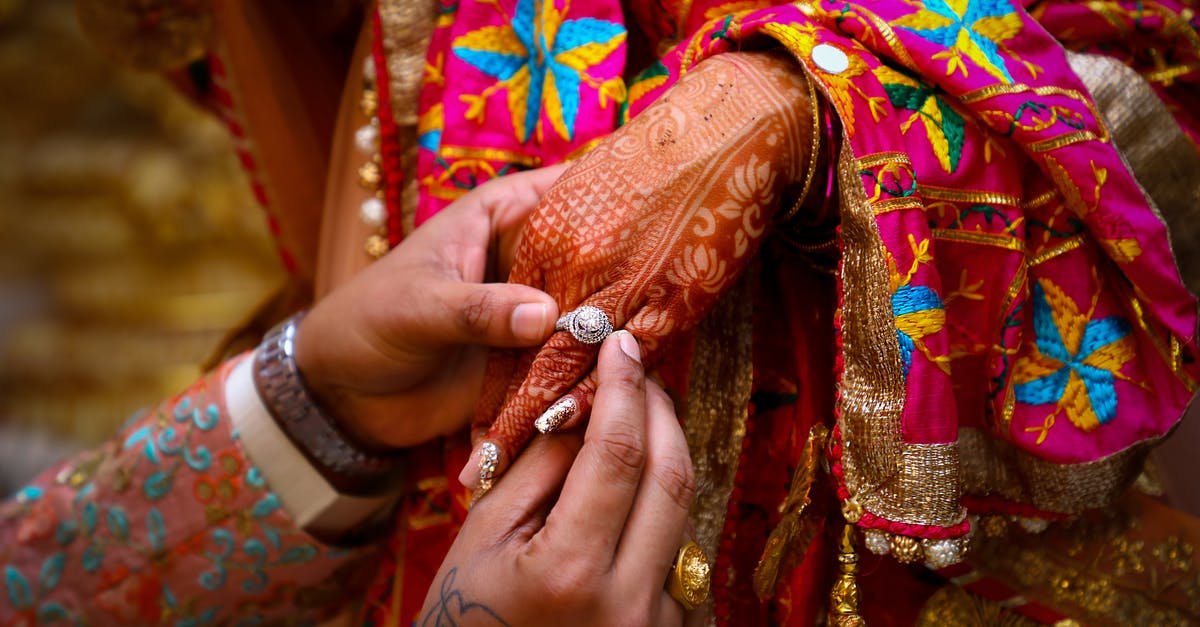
308	497
351	465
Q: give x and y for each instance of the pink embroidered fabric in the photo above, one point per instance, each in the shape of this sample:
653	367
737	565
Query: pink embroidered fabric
166	523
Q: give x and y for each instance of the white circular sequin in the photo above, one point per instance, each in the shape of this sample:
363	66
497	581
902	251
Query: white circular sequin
373	212
830	58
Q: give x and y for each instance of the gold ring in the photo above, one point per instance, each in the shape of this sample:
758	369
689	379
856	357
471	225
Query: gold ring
690	576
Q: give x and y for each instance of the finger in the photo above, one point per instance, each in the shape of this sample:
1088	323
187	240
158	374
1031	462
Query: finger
603	482
560	363
568	411
486	314
532	484
509	199
659	517
671	612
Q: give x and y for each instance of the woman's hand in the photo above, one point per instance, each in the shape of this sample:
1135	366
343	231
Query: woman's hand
652	227
396	352
579	534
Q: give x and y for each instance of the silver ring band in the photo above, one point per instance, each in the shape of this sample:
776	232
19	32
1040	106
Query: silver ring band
588	324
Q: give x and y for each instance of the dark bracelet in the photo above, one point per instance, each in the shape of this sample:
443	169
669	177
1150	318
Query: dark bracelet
349	466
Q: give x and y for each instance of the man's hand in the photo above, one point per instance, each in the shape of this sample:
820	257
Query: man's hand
397	353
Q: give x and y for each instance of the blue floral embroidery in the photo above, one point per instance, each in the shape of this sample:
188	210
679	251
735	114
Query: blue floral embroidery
541	59
919	311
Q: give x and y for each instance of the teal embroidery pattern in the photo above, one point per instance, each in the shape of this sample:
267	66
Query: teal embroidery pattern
167	523
944	127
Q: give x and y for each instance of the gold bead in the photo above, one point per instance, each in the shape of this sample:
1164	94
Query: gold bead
906	549
377	246
993	526
369	175
369	103
851	510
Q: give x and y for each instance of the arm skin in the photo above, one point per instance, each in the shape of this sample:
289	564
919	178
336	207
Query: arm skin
653	226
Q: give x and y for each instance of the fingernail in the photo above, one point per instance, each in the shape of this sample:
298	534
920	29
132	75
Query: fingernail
629	345
529	321
469	475
489	461
558	413
479	475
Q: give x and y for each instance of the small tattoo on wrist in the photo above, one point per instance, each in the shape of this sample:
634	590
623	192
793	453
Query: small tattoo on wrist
452	607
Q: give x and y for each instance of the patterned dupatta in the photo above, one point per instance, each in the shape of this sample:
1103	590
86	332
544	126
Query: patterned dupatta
1012	335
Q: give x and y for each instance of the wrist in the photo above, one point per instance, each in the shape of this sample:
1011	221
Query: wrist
341	404
351	463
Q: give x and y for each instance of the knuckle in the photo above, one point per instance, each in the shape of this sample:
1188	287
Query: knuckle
571	583
629	380
678	480
622	453
476	311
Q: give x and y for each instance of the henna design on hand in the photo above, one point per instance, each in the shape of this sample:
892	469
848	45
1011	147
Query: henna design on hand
653	226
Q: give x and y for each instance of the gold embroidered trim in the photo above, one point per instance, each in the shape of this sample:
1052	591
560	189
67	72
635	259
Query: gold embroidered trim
881	158
407	28
993	466
1062	247
924	491
896	204
1063	140
1006	242
718	395
490	154
967	196
913	483
1042	199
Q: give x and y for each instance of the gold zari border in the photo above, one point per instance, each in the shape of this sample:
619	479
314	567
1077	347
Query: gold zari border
993	466
912	483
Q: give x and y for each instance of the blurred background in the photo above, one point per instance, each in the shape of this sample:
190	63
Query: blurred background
129	241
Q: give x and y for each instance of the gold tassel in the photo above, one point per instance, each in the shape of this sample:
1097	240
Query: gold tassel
799	524
843	598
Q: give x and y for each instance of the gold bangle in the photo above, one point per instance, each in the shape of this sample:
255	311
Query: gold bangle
814	151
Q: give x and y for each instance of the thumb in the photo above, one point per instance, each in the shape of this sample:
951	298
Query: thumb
502	315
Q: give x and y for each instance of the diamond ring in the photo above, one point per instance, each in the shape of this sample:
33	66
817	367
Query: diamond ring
588	324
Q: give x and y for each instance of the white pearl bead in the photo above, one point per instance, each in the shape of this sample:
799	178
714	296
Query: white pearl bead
373	212
366	138
1033	525
369	68
877	542
942	553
